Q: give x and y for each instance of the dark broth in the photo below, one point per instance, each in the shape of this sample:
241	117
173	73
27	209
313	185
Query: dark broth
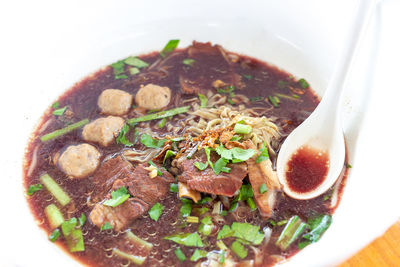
259	80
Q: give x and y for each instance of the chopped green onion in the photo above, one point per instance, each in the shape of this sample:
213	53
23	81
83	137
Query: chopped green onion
204	200
222	257
272	222
118	197
65	130
162	123
208	151
59	112
203	100
234	206
192	219
236	138
151	142
274	101
180	255
33	189
221	245
174	188
169	48
198	254
247	76
228	90
137	240
280	223
160	115
242	128
287	97
188	61
135	62
230	101
256	99
349	166
303	83
252	205
133	258
55	105
168	154
156	211
186	209
201	210
73	235
239	249
133	71
264	155
82	219
291	232
121	138
263	188
54	235
54	216
246	192
106	226
55	189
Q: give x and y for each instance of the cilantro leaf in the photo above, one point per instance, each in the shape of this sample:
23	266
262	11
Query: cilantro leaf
220	166
239	249
201	166
225	232
186	239
156	211
242	154
247	232
118	197
263	156
150	142
121	139
106	226
198	254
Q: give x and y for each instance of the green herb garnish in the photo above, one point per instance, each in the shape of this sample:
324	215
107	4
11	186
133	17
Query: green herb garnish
186	209
256	99
133	71
220	166
204	200
135	62
55	105
106	226
33	189
59	112
160	115
188	61
203	100
247	76
168	154
121	138
247	232
118	197
186	239
60	132
294	227
159	172
180	255
239	249
82	219
156	211
174	188
151	142
242	128
169	48
198	254
201	166
274	101
264	155
54	235
225	232
303	83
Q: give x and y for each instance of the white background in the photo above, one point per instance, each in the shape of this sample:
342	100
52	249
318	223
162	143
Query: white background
30	36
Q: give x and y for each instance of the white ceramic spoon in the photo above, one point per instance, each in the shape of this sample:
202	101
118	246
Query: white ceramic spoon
322	130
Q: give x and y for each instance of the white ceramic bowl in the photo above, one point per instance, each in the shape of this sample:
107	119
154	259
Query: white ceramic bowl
57	43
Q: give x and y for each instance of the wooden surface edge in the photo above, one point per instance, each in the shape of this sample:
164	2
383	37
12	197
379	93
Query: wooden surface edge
383	251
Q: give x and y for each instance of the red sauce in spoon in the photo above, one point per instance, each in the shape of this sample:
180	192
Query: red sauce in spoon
307	169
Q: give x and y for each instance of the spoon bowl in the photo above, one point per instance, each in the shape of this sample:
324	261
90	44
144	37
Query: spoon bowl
322	130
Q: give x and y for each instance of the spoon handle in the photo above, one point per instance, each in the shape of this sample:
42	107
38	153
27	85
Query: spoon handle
334	91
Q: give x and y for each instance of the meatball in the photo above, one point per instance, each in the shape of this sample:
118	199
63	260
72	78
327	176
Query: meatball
114	102
103	130
153	96
79	161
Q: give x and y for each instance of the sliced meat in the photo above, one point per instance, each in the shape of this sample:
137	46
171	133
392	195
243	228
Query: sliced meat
109	171
103	130
153	96
148	189
78	161
262	173
114	102
207	181
144	191
120	216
